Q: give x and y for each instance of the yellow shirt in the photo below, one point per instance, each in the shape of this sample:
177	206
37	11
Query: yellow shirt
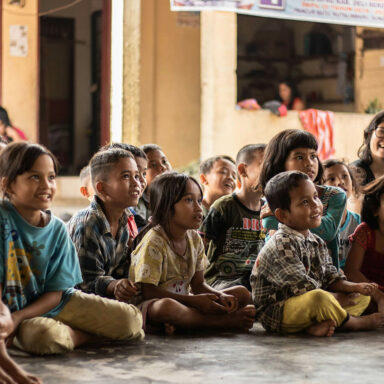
154	261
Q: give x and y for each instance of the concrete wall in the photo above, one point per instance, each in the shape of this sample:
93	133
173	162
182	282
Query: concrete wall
170	83
225	129
20	74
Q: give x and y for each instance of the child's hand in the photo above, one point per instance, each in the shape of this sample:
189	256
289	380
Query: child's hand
230	302
124	290
366	288
265	211
6	323
208	303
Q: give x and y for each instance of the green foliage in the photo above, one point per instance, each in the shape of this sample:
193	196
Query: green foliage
374	106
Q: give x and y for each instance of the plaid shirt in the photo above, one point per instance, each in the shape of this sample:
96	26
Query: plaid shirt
102	257
290	264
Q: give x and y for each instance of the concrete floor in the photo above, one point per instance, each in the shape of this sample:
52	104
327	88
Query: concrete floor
256	357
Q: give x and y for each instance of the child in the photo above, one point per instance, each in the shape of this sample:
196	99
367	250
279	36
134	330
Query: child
233	226
86	188
157	164
366	258
100	231
218	176
338	174
169	263
39	265
293	271
295	149
142	164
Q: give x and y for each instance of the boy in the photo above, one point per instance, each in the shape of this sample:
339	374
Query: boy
218	176
157	164
100	231
86	188
233	226
294	272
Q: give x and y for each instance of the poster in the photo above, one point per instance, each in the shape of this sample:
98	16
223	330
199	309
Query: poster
367	13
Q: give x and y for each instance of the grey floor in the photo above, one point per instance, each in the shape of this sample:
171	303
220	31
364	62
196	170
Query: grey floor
256	357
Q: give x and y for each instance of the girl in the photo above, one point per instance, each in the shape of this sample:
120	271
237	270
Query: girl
289	96
366	259
338	174
295	149
170	261
7	131
39	265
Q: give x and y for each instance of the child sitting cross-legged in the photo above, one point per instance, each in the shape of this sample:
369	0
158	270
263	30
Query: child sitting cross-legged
293	274
39	266
100	232
232	228
169	265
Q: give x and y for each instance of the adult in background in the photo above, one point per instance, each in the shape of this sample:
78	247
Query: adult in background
7	131
289	96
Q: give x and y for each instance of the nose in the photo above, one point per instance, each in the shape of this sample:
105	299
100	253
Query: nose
340	181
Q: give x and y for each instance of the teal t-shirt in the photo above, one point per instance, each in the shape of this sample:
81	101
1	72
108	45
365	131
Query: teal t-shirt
35	260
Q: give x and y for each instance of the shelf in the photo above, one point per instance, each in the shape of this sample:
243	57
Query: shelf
317	77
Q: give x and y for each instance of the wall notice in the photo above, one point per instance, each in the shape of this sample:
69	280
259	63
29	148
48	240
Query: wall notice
18	40
366	13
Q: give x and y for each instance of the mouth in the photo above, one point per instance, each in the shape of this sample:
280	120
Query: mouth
316	216
45	197
198	217
311	174
229	186
135	193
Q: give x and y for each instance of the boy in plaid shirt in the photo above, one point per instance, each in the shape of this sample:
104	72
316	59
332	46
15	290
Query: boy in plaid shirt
293	277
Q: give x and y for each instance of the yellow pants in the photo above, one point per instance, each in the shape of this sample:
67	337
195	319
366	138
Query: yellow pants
316	306
89	313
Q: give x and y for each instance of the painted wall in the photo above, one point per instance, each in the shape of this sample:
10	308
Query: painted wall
225	129
20	74
170	83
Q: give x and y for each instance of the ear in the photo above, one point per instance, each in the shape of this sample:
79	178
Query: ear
242	169
203	179
100	188
280	214
84	191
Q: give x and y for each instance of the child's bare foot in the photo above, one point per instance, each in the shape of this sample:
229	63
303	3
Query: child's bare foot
365	323
14	374
243	318
324	329
169	329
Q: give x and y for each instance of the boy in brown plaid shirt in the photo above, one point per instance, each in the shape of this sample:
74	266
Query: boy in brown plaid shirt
293	277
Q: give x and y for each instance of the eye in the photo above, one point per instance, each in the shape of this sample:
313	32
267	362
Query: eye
305	202
35	177
188	199
299	157
52	177
144	175
313	156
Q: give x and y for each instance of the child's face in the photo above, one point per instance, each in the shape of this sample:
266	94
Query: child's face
305	210
188	212
338	176
34	190
376	143
253	170
221	180
304	160
122	188
157	164
142	168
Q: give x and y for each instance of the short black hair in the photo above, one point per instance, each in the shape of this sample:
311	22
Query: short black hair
103	161
371	202
247	153
277	191
332	162
278	149
85	173
207	165
136	151
146	148
165	191
364	153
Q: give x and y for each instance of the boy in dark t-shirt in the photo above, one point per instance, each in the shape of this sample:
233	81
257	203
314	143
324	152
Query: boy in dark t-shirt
232	227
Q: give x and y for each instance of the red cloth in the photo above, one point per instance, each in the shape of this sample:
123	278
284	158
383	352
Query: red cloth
320	124
20	133
132	227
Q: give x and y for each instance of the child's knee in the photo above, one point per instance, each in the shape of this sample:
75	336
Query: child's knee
164	310
321	298
131	323
44	336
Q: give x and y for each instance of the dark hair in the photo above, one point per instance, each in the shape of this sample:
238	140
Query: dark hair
18	158
332	162
294	92
371	202
136	151
247	153
279	148
207	165
165	191
364	153
103	161
85	173
277	191
4	118
150	147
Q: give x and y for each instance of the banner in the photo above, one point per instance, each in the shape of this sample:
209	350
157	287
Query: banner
367	13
